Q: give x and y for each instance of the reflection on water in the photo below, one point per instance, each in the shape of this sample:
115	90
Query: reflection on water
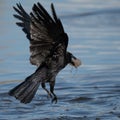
90	92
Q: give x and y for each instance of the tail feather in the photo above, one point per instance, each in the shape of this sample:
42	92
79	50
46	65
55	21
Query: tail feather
30	94
26	90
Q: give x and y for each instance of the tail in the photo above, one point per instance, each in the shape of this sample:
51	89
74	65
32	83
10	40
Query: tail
26	90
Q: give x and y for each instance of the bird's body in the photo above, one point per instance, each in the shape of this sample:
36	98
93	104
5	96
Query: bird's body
48	47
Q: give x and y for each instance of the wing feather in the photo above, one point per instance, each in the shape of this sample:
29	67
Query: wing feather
45	32
24	19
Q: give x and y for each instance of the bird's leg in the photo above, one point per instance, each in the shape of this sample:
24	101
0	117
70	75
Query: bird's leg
44	87
52	83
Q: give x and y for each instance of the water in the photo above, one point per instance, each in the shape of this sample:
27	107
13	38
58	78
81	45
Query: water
91	92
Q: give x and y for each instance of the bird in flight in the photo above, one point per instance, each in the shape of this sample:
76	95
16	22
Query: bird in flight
48	48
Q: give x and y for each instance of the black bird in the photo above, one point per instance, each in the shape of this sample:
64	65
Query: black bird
48	47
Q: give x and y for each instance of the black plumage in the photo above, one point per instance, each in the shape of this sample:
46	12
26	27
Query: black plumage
48	47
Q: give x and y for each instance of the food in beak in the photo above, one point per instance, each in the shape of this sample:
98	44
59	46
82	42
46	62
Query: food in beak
76	62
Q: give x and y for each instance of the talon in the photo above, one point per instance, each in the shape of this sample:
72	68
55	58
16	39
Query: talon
54	100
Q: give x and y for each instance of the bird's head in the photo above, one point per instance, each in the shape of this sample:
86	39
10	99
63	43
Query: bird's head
72	60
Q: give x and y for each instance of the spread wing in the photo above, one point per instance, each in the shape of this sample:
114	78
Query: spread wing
44	32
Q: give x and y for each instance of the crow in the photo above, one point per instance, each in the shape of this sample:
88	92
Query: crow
48	48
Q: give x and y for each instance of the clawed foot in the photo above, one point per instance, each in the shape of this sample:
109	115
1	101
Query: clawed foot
54	100
54	97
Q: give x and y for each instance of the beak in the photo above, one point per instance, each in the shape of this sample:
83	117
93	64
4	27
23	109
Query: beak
75	62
